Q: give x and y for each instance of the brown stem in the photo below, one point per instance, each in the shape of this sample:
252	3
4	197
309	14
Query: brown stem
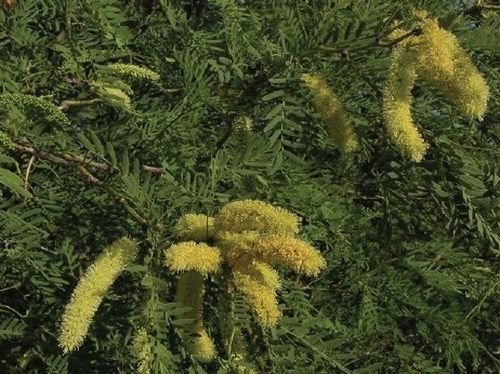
28	171
67	104
91	179
80	164
66	159
376	44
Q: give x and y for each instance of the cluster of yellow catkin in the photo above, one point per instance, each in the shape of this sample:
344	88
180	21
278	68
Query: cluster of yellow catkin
332	112
250	237
90	290
435	56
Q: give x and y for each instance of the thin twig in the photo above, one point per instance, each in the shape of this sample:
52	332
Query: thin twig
66	159
91	179
80	164
13	287
67	104
28	171
376	44
400	39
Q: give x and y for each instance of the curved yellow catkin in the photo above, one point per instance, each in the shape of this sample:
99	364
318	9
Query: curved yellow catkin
469	91
260	297
197	227
332	113
185	256
437	48
442	62
244	215
397	102
91	288
190	294
293	253
141	349
246	249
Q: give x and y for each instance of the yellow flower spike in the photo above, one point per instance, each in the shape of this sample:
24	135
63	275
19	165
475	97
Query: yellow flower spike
469	91
91	288
397	102
202	347
260	297
246	215
332	113
437	50
141	348
197	227
238	248
190	255
293	253
190	294
265	274
443	63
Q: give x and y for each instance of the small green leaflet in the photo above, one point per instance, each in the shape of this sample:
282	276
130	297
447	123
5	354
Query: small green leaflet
13	182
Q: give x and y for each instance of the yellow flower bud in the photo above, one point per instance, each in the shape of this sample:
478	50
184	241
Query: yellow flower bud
260	297
134	71
91	288
187	256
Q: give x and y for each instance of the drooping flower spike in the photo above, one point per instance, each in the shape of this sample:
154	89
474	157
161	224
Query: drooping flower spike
436	56
397	106
332	113
92	287
442	62
257	239
260	296
190	294
244	249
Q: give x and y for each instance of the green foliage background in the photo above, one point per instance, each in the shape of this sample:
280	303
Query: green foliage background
412	249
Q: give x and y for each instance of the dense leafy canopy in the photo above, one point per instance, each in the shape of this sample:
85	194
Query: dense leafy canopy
118	117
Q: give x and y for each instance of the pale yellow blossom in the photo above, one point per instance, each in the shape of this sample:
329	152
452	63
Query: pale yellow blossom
260	297
91	288
397	106
332	113
244	215
185	256
190	294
